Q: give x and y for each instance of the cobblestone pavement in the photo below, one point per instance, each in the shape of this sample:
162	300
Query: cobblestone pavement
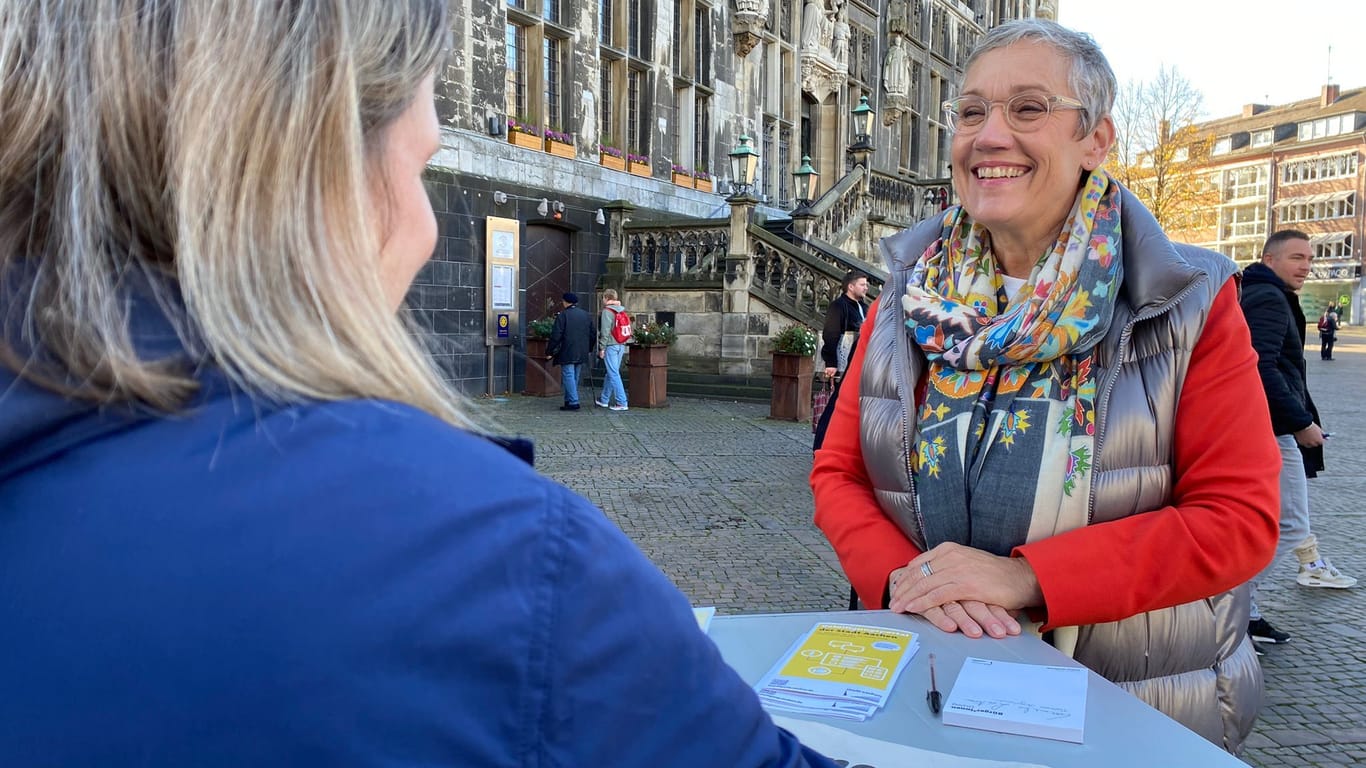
716	495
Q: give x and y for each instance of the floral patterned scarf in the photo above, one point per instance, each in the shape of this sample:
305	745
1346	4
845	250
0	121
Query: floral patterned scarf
1006	426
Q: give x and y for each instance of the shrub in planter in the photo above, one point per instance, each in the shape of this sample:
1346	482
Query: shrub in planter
794	350
541	380
648	383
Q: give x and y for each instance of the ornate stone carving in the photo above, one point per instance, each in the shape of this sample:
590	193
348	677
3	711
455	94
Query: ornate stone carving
748	24
897	21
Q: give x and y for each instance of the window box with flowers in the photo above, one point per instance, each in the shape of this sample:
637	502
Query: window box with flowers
702	181
794	350
682	176
611	157
638	165
542	380
524	135
648	379
559	144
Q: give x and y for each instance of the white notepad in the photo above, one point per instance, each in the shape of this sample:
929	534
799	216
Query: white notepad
1024	699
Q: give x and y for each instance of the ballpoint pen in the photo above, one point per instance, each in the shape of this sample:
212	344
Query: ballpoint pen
933	695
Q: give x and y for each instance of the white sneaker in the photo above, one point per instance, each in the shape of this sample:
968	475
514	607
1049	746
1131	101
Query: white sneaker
599	403
1325	576
624	408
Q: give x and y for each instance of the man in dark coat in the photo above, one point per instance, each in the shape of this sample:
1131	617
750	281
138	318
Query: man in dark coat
843	319
1278	334
844	316
571	347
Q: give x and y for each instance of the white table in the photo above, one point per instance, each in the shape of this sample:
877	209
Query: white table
1121	731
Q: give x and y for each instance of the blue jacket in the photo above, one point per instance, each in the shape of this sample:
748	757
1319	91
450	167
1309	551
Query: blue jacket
345	584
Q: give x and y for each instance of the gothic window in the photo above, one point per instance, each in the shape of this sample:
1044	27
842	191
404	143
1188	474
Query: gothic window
626	47
517	79
536	51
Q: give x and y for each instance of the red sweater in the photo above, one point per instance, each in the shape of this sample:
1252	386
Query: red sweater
1219	531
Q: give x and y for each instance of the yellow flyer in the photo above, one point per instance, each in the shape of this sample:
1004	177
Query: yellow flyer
841	667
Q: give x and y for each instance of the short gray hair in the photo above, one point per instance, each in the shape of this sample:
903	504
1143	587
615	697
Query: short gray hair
1090	77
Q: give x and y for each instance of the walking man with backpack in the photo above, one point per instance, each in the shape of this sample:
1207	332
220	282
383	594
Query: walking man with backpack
614	332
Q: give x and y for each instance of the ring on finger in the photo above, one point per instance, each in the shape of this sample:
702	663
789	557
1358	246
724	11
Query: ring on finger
925	569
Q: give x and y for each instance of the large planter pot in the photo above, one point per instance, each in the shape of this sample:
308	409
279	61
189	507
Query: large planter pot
682	179
611	161
648	382
639	169
792	376
703	185
560	148
542	376
524	140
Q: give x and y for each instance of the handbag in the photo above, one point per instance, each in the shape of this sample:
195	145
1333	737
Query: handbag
819	401
844	350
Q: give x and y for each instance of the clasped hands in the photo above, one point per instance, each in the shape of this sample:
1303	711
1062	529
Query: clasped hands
966	590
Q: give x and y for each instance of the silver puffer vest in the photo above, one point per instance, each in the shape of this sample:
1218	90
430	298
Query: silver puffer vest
1193	662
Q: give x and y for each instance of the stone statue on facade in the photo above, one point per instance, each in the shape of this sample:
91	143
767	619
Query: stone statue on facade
896	70
896	81
839	37
814	25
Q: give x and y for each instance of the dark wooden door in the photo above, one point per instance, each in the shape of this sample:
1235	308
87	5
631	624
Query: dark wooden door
545	270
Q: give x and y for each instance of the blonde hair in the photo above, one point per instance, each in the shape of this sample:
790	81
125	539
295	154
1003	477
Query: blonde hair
609	294
213	154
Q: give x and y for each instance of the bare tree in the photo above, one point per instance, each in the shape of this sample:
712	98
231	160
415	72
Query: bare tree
1158	151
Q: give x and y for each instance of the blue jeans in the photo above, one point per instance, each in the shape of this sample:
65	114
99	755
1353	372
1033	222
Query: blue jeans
613	392
1294	509
569	381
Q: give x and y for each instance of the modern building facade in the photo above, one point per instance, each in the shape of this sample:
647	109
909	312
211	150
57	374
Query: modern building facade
568	119
1300	166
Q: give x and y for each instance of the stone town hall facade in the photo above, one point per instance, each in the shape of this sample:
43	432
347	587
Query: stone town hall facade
554	109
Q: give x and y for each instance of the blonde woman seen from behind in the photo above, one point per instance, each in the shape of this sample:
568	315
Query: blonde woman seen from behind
242	520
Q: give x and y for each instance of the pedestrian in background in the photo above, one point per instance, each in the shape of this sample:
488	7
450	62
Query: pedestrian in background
843	319
571	347
611	348
1277	323
1328	332
243	520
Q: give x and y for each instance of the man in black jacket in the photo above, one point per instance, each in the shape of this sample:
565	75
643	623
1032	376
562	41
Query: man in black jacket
844	316
1278	334
843	319
571	347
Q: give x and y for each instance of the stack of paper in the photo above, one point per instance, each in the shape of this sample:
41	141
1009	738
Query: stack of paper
703	616
838	670
1027	699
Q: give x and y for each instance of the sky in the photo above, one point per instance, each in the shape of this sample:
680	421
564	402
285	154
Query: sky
1235	52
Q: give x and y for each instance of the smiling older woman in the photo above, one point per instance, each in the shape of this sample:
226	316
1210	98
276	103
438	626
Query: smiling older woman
1055	418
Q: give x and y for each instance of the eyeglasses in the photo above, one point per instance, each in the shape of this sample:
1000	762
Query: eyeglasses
1024	112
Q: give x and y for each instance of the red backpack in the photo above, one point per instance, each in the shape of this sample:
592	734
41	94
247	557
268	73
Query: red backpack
621	327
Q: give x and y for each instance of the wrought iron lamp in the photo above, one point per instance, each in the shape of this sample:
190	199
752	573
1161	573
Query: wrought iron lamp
864	116
805	178
744	165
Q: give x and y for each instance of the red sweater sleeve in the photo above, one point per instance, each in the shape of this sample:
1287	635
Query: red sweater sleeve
1221	527
868	543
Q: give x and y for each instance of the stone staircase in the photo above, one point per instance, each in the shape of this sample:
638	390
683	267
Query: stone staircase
717	386
729	285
